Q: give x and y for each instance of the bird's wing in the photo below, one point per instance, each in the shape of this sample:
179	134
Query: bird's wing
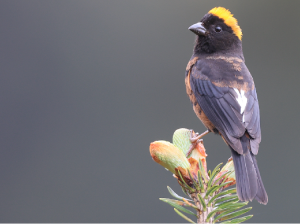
252	120
231	111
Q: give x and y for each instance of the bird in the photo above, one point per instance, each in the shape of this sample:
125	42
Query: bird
223	95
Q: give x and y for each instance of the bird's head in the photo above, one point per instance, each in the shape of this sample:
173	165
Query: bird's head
217	31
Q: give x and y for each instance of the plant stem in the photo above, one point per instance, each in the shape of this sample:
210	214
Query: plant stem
201	214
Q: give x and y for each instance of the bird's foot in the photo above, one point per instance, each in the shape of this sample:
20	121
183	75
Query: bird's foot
195	138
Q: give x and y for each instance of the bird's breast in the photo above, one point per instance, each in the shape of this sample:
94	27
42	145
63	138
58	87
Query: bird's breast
196	107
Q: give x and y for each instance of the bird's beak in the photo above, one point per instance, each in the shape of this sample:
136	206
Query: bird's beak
198	29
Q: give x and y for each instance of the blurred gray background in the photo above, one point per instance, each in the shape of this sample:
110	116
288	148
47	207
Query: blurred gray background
85	86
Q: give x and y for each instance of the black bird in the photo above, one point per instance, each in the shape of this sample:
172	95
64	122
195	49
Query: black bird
224	97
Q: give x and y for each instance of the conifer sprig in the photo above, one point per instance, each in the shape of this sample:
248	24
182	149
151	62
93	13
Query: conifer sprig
209	197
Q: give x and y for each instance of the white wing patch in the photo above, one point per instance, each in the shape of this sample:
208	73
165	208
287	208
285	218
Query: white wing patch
242	100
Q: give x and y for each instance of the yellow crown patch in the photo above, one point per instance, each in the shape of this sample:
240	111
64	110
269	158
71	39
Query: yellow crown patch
229	20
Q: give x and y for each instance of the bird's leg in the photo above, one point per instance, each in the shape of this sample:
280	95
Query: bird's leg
194	140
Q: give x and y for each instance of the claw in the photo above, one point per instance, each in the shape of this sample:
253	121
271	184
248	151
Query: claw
193	145
195	138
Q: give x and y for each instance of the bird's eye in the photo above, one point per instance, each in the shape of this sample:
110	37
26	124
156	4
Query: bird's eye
218	29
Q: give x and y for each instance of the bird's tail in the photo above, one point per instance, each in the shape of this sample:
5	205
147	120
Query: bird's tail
249	184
